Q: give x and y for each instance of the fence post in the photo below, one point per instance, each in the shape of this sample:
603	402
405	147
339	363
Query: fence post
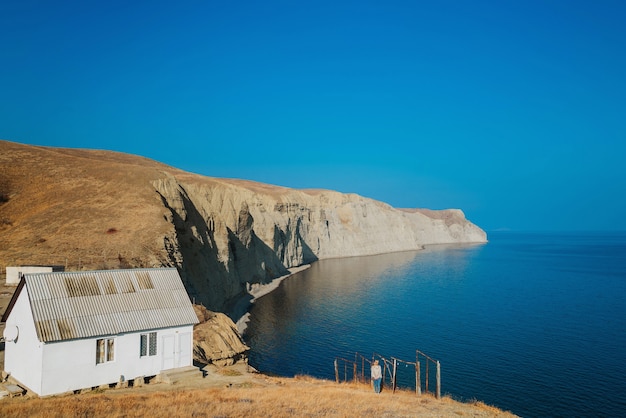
395	368
418	377
362	368
438	380
336	372
354	378
384	373
427	361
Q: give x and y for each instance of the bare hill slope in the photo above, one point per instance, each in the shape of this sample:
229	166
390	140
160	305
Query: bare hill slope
89	209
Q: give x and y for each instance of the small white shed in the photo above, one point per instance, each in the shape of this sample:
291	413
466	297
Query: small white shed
74	330
13	273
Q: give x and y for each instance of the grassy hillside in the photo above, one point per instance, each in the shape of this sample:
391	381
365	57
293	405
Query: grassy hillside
78	208
231	393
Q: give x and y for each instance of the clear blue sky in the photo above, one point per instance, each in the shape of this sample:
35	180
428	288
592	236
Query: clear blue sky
514	111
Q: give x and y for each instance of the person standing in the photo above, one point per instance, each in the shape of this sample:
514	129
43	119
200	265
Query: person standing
377	375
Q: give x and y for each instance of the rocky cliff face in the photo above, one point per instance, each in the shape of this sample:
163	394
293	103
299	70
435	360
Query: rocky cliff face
96	209
242	233
216	340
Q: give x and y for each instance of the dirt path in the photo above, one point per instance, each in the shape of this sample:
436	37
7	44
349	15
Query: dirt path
239	375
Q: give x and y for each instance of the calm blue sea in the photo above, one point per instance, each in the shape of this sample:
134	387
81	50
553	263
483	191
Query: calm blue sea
532	323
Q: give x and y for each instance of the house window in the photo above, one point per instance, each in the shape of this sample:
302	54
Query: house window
148	344
105	350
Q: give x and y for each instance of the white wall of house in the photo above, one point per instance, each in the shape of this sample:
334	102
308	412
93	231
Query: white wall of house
13	273
71	365
22	357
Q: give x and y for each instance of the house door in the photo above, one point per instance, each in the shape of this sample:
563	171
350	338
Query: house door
169	357
184	352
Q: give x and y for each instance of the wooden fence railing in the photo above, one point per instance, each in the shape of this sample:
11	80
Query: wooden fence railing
350	370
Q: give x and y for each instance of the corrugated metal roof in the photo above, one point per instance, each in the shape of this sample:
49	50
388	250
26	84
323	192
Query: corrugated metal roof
70	305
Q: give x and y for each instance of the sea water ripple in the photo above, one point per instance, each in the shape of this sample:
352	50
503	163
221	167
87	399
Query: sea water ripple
531	323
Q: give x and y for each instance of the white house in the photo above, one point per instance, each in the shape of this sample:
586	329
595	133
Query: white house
74	330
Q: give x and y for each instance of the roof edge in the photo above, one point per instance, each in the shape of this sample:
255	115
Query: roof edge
16	294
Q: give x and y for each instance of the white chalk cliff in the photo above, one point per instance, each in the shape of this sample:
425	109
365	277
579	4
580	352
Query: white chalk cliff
251	233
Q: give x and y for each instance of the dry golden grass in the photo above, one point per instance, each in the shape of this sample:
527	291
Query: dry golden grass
229	372
87	209
273	397
91	209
